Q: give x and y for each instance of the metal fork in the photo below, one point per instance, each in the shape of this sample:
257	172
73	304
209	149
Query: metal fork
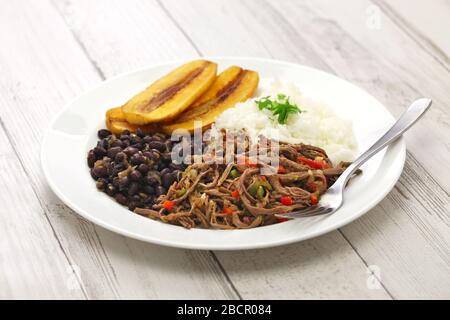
333	198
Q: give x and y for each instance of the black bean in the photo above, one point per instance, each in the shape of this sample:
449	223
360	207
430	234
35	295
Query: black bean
138	146
147	154
167	179
167	156
137	159
140	133
91	158
159	136
168	144
111	170
117	143
164	171
133	188
156	155
101	184
147	139
120	166
132	205
160	190
115	182
143	199
112	152
161	166
124	137
120	198
123	182
93	174
143	168
175	166
110	189
135	139
177	174
100	171
135	175
120	157
158	145
129	151
148	189
104	143
155	138
151	165
149	200
99	151
103	133
106	160
152	180
135	197
126	143
154	172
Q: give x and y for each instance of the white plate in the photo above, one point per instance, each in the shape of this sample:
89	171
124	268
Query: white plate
73	132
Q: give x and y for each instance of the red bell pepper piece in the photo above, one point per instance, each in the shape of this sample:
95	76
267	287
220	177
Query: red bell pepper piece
315	164
286	200
168	204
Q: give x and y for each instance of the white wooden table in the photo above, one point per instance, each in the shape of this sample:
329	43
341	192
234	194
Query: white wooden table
51	51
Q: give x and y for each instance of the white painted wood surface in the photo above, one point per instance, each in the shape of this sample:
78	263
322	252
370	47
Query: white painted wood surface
54	50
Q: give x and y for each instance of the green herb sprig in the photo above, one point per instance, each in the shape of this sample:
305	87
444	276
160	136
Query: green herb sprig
280	107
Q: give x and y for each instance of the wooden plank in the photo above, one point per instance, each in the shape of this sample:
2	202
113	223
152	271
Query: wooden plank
281	32
43	67
427	22
144	36
246	45
321	268
280	51
32	265
407	237
386	62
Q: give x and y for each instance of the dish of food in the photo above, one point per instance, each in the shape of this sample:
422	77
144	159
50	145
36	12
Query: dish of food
209	146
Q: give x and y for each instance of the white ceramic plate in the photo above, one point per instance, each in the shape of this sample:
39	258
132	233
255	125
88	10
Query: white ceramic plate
73	132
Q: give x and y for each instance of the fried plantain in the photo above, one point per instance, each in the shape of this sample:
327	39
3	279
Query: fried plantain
169	96
116	123
231	86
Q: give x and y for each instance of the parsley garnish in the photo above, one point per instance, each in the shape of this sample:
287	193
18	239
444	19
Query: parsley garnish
280	106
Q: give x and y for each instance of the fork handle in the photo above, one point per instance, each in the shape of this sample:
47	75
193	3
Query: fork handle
415	111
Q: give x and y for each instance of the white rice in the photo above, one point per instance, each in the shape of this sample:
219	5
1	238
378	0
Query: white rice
317	125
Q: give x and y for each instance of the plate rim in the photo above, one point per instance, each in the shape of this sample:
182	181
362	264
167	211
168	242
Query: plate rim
246	246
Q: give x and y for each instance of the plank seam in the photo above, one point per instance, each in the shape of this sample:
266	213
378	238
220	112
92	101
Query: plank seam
227	278
80	43
429	176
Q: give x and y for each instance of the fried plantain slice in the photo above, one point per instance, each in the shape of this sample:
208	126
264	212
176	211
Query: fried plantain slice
116	123
231	86
167	97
